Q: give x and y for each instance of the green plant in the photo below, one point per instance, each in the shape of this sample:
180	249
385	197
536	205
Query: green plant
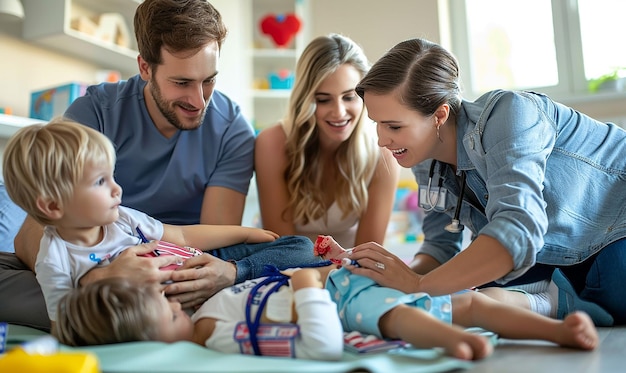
617	73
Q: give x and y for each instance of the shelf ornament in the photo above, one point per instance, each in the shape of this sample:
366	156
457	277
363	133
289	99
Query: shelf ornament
280	27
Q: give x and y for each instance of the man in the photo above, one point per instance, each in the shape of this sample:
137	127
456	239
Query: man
185	154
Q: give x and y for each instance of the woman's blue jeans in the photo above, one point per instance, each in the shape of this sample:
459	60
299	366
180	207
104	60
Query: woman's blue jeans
599	279
284	252
604	282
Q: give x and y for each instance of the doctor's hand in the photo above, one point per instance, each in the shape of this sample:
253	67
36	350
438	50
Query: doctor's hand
375	262
198	279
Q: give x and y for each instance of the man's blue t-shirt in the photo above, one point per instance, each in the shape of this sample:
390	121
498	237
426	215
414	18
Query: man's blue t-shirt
167	178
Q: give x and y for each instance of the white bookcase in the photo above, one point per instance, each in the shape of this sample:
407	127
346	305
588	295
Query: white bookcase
48	24
269	105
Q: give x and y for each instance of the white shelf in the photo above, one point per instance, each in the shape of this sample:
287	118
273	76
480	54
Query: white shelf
268	106
9	124
47	23
271	93
274	53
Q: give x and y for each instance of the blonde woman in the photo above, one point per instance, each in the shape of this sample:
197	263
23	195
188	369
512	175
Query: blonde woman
320	170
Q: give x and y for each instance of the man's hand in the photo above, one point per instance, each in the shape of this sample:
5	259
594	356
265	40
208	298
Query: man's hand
131	265
199	278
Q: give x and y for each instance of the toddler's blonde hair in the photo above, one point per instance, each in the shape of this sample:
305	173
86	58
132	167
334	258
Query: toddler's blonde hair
111	310
48	160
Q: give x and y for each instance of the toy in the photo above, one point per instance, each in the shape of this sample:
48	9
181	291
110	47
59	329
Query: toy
167	248
327	248
281	28
282	79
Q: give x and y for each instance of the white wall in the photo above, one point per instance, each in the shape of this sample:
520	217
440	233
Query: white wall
25	68
374	24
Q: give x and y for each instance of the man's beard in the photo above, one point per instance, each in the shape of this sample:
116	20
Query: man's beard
167	110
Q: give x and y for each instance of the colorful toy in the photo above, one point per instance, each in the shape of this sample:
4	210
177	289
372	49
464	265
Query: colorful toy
327	248
167	248
280	27
282	79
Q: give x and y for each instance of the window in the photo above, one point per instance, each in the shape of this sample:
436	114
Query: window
554	46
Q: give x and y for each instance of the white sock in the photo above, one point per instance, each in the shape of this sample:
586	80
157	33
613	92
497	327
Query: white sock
545	303
535	287
540	303
553	292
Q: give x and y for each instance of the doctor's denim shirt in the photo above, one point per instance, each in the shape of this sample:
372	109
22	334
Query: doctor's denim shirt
549	182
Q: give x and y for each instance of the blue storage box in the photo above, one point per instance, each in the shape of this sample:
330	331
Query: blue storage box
49	103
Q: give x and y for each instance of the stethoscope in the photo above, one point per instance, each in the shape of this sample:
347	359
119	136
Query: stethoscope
455	225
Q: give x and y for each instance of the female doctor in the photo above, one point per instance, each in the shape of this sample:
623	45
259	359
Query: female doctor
541	186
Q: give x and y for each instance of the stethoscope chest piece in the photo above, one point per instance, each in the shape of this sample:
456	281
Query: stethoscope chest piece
434	198
455	226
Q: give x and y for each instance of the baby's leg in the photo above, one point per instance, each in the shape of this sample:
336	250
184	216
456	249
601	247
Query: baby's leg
544	302
419	328
513	298
476	309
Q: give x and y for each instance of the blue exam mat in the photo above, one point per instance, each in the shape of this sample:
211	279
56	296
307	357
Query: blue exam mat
190	357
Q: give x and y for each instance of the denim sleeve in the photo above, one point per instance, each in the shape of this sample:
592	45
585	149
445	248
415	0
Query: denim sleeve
439	243
513	145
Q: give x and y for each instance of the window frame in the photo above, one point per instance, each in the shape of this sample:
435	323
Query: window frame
568	48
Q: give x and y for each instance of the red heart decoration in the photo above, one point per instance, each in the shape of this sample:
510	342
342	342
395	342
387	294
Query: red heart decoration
282	27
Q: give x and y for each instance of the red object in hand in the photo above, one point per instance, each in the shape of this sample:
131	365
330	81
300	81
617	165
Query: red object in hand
322	247
282	27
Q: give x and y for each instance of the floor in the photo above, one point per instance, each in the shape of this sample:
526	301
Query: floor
536	356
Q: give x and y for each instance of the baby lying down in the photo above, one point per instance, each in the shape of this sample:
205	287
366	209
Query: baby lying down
303	312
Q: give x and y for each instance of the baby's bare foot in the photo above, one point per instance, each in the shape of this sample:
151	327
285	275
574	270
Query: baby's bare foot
469	347
578	331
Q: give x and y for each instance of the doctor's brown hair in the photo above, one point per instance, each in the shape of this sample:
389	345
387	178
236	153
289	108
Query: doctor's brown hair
423	74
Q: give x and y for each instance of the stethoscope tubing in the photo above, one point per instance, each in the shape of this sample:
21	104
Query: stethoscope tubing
454	226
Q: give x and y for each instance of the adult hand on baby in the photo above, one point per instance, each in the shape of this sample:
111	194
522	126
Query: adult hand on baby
256	235
198	278
133	265
383	267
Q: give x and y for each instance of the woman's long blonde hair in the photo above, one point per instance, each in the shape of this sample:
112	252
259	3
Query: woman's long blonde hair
356	158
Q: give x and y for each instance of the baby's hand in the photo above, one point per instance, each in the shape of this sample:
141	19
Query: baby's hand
256	235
